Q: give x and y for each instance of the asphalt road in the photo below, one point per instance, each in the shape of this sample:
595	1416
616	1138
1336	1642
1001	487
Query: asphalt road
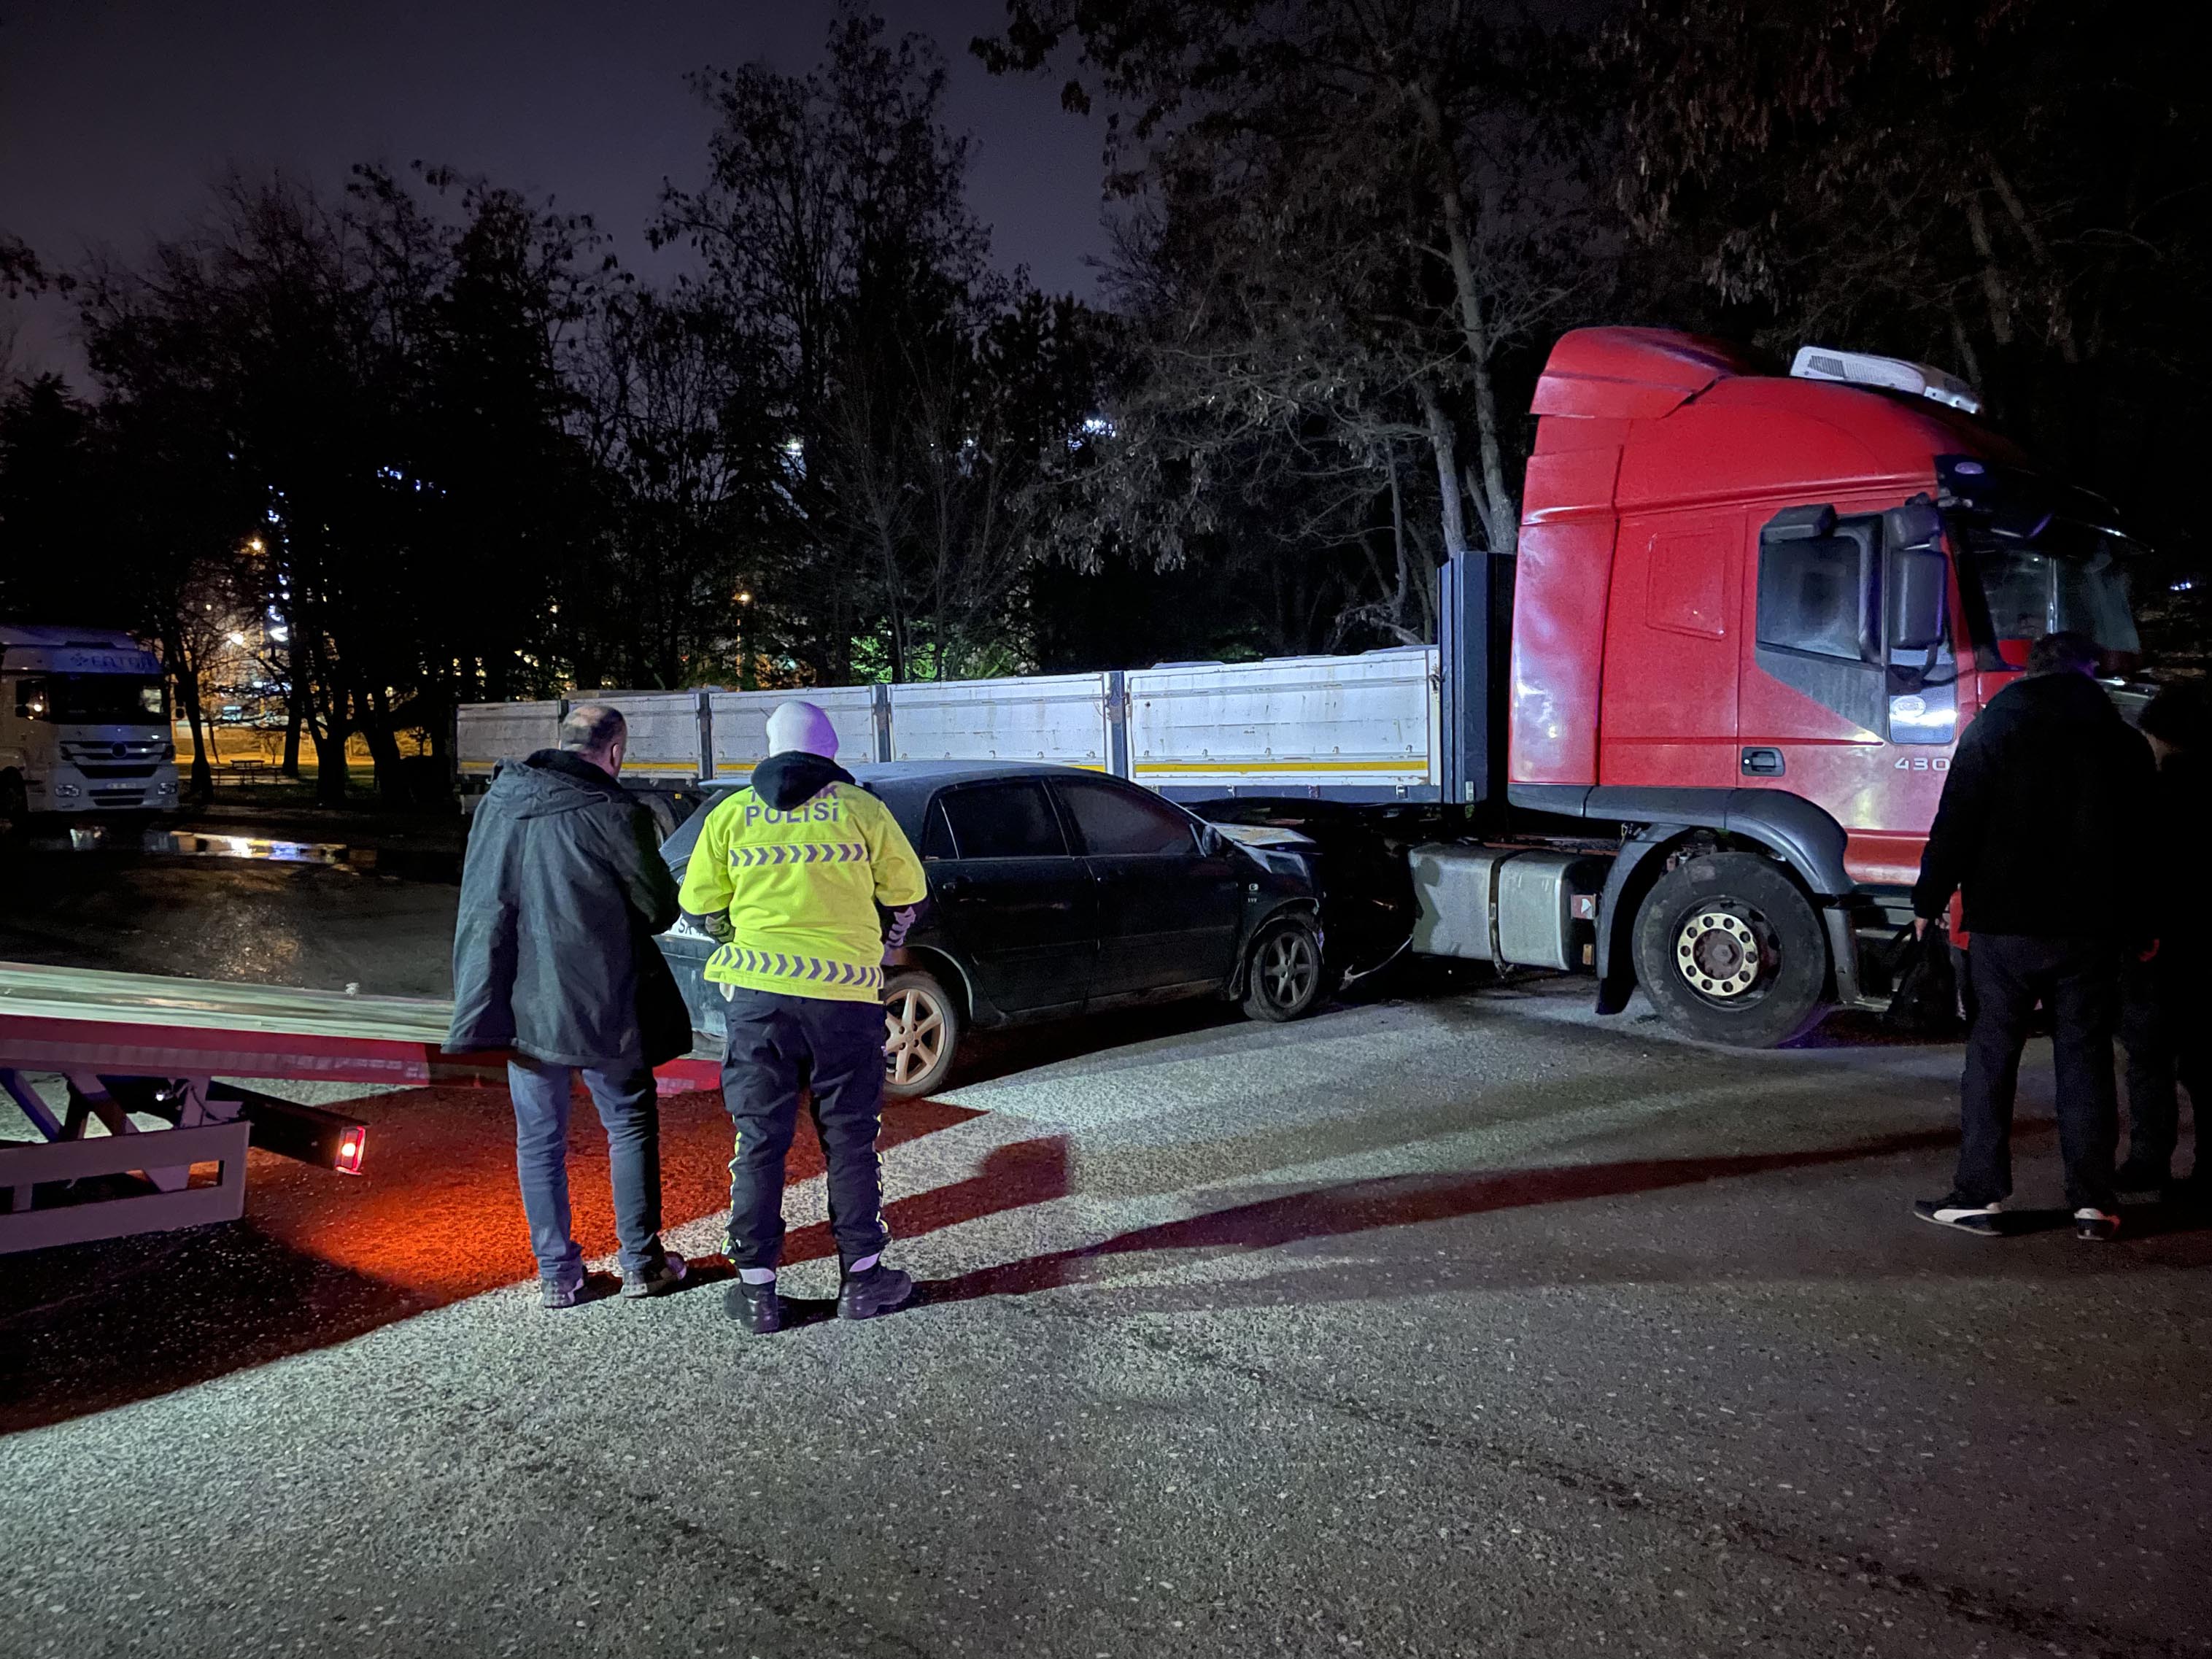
1462	1325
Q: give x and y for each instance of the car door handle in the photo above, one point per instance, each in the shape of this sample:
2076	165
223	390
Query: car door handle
1763	763
950	885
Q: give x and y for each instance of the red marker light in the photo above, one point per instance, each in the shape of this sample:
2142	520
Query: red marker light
351	1145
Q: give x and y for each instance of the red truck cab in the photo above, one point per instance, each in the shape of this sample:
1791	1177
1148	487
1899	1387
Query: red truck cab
1756	611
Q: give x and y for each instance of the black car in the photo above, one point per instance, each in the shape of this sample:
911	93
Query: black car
1056	892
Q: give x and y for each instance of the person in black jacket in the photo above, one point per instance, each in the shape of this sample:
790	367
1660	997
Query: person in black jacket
562	893
2043	829
2165	1002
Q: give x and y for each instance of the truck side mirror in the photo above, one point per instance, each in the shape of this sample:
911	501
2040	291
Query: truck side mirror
1919	580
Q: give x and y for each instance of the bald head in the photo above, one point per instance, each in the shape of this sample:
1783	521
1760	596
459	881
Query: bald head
596	731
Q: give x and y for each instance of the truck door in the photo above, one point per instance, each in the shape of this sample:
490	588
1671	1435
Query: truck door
1671	651
1850	695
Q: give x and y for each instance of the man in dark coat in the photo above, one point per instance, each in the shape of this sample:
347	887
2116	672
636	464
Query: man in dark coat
553	958
2044	829
2165	1007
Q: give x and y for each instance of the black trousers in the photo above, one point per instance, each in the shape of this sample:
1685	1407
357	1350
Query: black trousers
833	1052
2166	1026
2078	979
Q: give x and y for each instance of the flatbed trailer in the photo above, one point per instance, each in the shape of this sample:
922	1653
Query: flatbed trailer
136	1045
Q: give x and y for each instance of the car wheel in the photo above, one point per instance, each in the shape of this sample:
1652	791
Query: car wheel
663	813
1284	977
922	1033
1728	950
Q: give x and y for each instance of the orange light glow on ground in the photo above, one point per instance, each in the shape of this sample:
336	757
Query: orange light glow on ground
434	1216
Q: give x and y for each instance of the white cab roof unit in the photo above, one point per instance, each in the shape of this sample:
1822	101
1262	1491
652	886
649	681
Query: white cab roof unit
1863	369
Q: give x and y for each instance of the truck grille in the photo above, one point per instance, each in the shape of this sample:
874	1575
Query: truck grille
116	771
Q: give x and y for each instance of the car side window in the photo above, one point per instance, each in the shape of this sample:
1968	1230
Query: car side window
1115	822
1003	821
937	841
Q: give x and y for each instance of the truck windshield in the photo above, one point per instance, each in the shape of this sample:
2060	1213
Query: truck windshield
93	699
2036	558
2065	579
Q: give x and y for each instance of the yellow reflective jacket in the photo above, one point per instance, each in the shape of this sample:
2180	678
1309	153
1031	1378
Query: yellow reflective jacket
799	890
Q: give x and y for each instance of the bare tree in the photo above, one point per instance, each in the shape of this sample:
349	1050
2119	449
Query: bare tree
1352	209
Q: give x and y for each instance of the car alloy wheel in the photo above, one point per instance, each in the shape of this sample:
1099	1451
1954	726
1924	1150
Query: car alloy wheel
921	1030
1285	978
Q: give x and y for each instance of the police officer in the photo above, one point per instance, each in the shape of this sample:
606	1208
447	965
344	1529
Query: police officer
786	876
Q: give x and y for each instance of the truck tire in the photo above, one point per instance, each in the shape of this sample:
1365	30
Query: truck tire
922	1033
1728	950
1284	978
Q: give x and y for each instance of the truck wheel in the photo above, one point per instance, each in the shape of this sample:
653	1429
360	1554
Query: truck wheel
1284	980
1728	950
922	1033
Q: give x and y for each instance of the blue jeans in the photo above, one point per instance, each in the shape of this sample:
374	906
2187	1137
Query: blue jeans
631	1117
781	1046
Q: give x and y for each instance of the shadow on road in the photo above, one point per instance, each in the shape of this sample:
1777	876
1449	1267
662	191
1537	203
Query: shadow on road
1357	1207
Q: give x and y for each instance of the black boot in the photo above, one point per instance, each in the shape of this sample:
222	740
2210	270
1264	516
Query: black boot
756	1307
880	1289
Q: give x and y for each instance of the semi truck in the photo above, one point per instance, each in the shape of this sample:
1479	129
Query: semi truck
84	725
1689	738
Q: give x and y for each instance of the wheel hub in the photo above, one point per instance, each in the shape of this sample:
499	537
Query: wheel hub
1287	968
1718	954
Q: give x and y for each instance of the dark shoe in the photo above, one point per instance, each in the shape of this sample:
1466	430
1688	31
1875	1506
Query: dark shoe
559	1293
759	1307
2134	1180
880	1289
664	1275
1962	1213
2096	1225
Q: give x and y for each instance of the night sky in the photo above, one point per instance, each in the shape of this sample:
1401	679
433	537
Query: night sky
116	114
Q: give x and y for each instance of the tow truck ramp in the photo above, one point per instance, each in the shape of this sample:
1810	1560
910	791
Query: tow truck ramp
129	1046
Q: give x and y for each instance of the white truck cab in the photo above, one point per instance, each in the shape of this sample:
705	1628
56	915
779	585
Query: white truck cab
84	723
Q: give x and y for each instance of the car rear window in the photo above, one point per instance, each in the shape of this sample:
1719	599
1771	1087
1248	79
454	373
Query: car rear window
1115	822
1003	821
